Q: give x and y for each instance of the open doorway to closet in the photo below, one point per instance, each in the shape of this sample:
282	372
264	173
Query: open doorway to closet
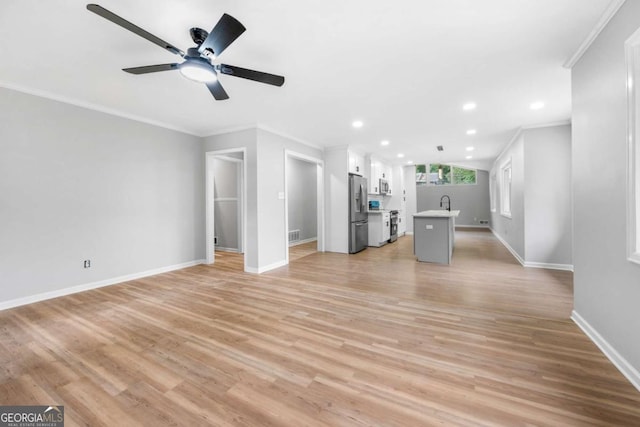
226	208
304	205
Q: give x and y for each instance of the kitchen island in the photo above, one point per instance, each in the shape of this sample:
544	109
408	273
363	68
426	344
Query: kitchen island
433	235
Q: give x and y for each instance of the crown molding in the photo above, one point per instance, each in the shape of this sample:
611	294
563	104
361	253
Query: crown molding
293	138
94	107
230	129
609	13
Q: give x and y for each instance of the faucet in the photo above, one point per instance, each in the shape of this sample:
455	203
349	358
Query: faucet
448	202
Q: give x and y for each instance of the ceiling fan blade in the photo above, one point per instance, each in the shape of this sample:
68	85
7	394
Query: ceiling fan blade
217	90
110	16
223	34
258	76
151	68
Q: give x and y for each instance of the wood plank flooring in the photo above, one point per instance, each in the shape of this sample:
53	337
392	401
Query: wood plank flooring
372	339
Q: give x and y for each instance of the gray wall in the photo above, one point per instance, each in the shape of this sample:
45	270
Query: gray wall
606	285
471	200
78	184
273	244
302	197
236	140
511	230
227	203
547	202
266	237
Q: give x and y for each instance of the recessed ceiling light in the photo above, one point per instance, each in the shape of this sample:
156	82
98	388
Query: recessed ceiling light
410	162
536	105
469	157
471	132
385	142
400	155
469	106
357	124
470	148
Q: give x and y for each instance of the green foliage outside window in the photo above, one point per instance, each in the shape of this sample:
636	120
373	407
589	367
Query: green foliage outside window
441	174
463	176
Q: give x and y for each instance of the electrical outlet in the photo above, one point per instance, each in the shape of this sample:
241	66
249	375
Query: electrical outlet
87	263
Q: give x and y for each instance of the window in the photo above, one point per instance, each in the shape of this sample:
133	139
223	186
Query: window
505	190
441	174
492	192
632	48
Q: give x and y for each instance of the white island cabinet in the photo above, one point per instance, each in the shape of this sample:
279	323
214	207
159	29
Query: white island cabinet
433	235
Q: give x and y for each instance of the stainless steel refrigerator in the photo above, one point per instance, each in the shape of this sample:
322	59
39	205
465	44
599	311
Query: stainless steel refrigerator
358	217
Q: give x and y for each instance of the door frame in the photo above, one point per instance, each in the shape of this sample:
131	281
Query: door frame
319	198
209	201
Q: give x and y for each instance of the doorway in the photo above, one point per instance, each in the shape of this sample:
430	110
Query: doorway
226	207
304	209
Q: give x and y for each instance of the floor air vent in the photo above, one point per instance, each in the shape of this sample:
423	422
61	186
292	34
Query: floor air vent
294	236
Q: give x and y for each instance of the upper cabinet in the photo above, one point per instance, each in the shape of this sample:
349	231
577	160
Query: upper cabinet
356	163
378	171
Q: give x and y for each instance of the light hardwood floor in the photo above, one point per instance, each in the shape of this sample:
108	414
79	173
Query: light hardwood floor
368	339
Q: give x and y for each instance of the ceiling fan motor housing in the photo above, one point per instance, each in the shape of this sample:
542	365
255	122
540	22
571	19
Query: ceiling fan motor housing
198	35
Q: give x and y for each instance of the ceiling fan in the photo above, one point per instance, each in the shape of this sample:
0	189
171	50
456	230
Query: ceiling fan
197	63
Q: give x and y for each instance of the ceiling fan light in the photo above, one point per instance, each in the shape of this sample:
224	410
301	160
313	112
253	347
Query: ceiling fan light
198	71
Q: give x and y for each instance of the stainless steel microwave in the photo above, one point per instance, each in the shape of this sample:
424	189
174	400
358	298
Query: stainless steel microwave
384	186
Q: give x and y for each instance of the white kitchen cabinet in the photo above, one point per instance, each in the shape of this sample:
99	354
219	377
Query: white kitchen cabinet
377	171
379	228
374	176
356	163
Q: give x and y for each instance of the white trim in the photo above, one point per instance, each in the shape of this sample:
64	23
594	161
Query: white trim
521	129
472	226
530	264
4	305
513	139
547	124
549	266
287	136
319	198
223	249
506	190
302	242
209	201
508	246
408	233
94	107
266	268
609	13
632	56
608	350
230	129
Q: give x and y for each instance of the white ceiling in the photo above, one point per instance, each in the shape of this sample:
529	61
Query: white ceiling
404	68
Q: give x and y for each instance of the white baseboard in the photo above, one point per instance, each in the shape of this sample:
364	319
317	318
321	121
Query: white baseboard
563	267
508	246
302	242
266	268
472	226
408	233
223	249
618	361
4	305
530	264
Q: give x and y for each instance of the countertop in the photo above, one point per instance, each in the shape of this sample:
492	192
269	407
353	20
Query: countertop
378	211
437	213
